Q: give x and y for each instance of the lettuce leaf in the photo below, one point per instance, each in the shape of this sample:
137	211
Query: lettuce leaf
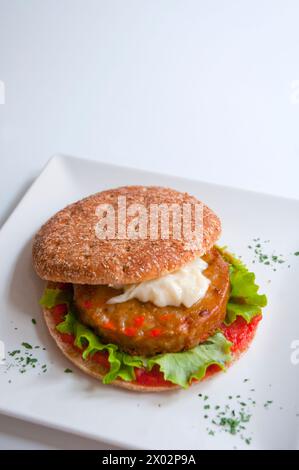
178	368
121	364
244	299
52	297
68	324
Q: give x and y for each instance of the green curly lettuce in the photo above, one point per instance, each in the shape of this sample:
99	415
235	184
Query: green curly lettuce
244	299
178	368
52	297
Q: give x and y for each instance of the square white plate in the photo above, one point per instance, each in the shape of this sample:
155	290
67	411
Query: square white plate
173	420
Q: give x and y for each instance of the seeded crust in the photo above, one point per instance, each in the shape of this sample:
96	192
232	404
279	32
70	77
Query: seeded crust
93	369
66	248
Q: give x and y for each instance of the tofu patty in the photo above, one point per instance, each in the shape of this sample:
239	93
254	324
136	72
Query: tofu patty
144	329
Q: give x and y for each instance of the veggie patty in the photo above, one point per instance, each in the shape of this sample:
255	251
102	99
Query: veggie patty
144	329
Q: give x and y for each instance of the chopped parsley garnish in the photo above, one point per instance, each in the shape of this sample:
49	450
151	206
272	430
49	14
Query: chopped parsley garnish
230	424
227	419
67	370
33	321
244	417
13	353
263	256
23	359
233	416
267	403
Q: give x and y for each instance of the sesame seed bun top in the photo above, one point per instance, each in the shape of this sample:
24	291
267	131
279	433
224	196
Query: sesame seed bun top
70	248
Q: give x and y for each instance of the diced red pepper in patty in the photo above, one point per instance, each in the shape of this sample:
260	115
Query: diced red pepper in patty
109	325
130	331
138	321
155	332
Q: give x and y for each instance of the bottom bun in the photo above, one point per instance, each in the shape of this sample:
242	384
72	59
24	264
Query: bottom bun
91	368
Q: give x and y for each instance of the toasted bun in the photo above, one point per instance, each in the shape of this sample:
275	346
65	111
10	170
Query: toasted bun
66	248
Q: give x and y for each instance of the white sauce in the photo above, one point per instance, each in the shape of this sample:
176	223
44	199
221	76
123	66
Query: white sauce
183	287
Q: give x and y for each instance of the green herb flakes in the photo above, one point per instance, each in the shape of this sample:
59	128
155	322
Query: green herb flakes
23	358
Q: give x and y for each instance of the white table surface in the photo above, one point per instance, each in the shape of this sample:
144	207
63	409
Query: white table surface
208	90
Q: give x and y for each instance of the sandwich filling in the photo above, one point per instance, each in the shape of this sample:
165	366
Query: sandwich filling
136	340
185	287
142	328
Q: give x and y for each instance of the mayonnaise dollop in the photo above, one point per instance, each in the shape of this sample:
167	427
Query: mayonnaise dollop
183	287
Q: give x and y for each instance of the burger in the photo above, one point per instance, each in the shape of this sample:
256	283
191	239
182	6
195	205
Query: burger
133	301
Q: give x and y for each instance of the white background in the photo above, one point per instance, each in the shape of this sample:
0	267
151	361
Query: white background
207	89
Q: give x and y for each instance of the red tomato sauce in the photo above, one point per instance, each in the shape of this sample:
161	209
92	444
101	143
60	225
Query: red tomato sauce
101	357
153	378
240	334
59	312
67	338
